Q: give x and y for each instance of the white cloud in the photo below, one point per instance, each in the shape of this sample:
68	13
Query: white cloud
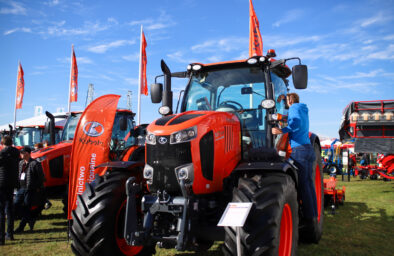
163	21
371	74
52	2
88	28
222	45
112	20
15	8
11	31
280	41
379	18
102	48
80	60
289	16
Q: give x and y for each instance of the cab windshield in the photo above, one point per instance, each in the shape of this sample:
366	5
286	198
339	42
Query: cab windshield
71	125
28	136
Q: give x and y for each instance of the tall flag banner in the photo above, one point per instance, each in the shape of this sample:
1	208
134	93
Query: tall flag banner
73	93
20	88
143	84
255	39
143	80
90	145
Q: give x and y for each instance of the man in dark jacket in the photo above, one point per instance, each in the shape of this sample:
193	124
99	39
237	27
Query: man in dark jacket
302	153
31	178
9	158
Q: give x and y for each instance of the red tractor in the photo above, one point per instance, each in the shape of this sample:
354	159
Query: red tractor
55	159
371	125
218	149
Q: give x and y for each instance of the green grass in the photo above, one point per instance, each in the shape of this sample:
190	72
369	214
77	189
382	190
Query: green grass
364	225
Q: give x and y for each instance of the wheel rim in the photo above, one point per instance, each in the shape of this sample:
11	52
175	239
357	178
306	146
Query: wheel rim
318	191
120	241
286	231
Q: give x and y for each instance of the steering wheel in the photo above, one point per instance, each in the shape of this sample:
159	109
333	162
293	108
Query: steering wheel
230	104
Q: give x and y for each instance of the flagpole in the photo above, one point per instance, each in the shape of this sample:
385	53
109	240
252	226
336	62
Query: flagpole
139	82
16	92
69	86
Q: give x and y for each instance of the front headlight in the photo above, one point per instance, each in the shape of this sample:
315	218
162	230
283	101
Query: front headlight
186	173
184	135
40	159
148	173
150	139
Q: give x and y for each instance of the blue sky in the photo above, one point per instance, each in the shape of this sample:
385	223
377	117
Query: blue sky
347	45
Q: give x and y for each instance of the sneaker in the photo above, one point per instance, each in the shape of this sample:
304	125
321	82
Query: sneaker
47	205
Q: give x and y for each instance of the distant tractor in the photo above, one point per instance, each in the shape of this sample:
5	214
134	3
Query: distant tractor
55	159
371	125
218	149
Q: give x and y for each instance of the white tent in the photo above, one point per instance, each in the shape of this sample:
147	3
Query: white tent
37	120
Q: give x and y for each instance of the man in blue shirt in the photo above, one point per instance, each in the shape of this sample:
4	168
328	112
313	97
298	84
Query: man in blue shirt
302	153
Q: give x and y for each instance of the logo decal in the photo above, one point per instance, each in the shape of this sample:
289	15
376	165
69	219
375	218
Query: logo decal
93	129
162	140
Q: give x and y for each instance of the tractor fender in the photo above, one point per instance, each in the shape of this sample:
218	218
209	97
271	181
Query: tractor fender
264	167
314	140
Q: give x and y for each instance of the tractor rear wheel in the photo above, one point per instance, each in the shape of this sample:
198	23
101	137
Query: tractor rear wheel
98	220
272	225
313	234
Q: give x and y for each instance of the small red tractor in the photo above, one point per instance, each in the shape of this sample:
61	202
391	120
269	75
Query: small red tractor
55	159
218	149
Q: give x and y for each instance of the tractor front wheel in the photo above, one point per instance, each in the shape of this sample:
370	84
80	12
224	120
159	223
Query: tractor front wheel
272	225
98	220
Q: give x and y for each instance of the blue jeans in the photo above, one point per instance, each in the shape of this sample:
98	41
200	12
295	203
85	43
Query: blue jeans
304	156
23	202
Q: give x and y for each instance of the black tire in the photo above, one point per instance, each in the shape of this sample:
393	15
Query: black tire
98	220
333	170
261	234
313	234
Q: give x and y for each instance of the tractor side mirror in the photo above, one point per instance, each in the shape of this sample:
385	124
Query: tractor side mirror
123	123
300	76
156	92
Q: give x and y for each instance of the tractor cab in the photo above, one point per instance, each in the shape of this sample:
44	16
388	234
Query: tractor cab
241	89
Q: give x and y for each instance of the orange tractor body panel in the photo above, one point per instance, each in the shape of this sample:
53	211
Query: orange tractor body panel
226	134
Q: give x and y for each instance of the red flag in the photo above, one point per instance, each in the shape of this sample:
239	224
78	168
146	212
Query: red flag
143	80
90	145
255	40
20	88
73	78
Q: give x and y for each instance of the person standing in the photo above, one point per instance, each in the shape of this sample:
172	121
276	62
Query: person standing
9	158
302	153
31	182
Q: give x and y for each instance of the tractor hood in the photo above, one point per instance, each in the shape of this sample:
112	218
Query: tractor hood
202	141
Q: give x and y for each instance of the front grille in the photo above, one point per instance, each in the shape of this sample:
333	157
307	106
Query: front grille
164	158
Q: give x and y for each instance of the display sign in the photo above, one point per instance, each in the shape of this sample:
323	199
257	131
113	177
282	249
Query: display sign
235	214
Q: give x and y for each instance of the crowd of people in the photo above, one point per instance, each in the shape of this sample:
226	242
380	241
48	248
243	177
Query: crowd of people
20	172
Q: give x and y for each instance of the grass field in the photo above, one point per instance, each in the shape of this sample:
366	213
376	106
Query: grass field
364	225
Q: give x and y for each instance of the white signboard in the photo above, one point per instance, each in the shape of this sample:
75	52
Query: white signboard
344	158
235	214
